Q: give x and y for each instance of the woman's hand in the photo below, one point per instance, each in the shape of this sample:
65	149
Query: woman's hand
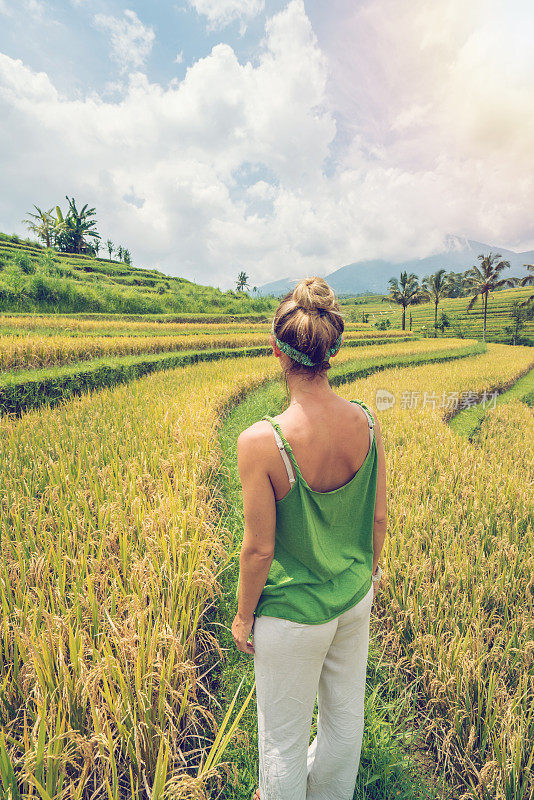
241	629
376	584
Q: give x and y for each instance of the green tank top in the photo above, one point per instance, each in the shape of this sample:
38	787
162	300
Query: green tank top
323	554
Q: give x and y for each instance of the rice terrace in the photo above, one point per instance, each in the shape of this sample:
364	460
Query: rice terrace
121	523
266	400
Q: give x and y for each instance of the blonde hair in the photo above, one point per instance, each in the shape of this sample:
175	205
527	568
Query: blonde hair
309	319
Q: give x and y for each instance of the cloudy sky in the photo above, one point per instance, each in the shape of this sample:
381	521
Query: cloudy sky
282	137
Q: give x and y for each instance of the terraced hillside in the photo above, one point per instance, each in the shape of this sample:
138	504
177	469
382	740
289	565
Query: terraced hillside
34	278
463	323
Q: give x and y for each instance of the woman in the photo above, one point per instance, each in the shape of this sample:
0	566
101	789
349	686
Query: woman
314	495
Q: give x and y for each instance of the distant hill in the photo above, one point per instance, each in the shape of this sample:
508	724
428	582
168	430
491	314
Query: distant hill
458	255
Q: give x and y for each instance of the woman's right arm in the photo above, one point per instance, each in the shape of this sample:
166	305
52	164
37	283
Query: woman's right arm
380	518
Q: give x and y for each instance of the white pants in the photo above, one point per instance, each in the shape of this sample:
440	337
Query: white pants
294	663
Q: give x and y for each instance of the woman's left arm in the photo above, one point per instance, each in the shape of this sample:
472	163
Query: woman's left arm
257	550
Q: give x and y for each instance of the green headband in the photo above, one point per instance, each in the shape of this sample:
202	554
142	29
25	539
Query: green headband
302	358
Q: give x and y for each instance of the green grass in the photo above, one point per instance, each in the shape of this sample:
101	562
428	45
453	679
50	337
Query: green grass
467	421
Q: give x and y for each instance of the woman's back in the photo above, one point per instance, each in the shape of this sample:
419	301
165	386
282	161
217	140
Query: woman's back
329	440
323	553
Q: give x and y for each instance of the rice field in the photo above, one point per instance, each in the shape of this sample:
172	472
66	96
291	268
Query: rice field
105	325
40	352
112	546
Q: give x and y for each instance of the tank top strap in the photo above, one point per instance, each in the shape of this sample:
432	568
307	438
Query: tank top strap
285	450
370	419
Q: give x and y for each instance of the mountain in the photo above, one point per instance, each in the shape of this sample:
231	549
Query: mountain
458	254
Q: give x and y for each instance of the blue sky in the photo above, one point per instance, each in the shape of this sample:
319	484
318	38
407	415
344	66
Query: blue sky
283	138
62	39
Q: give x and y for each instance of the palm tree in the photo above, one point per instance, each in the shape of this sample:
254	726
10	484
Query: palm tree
127	257
242	281
408	293
79	226
42	224
435	288
120	252
528	280
110	247
483	279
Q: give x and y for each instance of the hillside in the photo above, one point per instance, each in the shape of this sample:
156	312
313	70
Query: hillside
37	279
458	254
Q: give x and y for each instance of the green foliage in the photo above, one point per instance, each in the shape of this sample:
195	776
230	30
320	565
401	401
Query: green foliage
383	324
443	322
24	263
521	314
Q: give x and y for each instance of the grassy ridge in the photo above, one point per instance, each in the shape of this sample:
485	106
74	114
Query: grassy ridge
39	352
468	421
30	389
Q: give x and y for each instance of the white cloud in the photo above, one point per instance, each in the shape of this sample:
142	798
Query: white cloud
35	8
225	169
179	58
222	12
131	41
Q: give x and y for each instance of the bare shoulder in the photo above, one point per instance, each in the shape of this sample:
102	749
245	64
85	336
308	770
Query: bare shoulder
255	437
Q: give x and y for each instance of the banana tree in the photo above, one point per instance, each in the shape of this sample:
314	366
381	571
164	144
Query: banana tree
78	227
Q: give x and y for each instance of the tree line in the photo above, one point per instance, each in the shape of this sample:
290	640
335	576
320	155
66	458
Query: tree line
72	232
479	281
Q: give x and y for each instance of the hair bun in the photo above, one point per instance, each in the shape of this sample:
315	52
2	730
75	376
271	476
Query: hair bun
314	294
